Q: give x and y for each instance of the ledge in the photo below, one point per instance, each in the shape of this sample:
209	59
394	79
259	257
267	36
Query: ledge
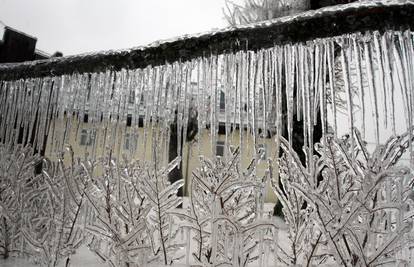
321	23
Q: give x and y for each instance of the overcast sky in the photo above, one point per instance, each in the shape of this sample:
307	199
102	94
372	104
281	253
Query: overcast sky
78	26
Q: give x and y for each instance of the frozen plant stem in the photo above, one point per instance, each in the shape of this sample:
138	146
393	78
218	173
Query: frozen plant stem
162	240
6	242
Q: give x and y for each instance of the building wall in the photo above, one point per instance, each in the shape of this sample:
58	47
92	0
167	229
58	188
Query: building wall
116	137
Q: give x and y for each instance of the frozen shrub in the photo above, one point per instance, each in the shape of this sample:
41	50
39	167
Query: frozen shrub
119	209
358	204
54	215
225	215
17	179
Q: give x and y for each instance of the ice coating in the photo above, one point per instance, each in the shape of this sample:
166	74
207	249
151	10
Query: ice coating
332	187
247	90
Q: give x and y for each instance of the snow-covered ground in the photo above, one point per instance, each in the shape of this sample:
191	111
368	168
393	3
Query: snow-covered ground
86	258
83	257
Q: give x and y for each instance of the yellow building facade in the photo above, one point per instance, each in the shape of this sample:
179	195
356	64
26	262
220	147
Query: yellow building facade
89	139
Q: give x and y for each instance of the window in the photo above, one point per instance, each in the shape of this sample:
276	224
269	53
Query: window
87	137
129	120
262	151
131	142
142	101
222	101
131	97
220	148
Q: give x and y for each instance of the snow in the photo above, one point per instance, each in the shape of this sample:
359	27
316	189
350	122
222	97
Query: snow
83	257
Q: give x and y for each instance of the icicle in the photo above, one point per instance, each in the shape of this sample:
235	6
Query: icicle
236	108
216	93
242	74
11	110
228	95
37	94
170	107
94	97
361	92
305	97
108	81
148	99
250	98
17	110
22	109
47	114
212	102
83	102
263	94
267	95
323	103
204	95
200	106
187	101
399	78
381	81
271	124
135	84
21	103
387	56
331	74
37	122
302	83
125	97
288	62
203	98
164	111
140	104
116	111
312	93
155	113
27	111
256	66
348	91
181	106
318	52
7	111
278	61
299	80
21	106
3	104
371	84
310	89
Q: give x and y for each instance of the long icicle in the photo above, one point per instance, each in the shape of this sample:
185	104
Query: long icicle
386	39
347	83
381	81
371	84
360	85
331	75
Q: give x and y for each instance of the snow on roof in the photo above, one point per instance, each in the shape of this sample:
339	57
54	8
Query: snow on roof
20	32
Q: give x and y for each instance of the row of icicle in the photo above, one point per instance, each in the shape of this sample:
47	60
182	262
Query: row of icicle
365	78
